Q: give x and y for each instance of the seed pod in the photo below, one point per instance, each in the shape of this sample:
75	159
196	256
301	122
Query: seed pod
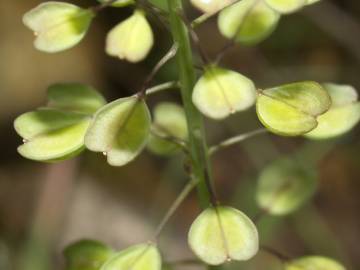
314	263
284	186
223	233
131	39
120	130
57	26
139	257
310	2
221	92
169	121
343	115
211	6
87	255
50	134
287	6
292	109
248	21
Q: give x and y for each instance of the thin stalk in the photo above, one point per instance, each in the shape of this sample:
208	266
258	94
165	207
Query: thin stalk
235	140
162	87
197	137
181	197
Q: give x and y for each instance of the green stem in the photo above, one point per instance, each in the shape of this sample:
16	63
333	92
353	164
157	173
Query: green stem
197	137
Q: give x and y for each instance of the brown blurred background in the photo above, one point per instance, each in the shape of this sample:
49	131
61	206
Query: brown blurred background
45	207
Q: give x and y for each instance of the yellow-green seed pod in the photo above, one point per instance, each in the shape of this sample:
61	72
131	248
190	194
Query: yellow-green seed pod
169	121
138	257
211	6
119	3
292	109
221	92
314	263
87	255
131	39
51	134
284	186
286	6
248	21
57	25
221	234
343	115
120	130
310	2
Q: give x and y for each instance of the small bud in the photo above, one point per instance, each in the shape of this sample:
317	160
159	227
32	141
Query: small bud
131	39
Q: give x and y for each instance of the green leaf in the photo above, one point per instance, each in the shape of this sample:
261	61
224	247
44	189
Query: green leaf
50	134
169	121
139	257
248	21
221	92
57	25
87	255
120	130
119	3
75	97
314	263
343	115
284	186
221	234
286	6
292	109
131	39
211	6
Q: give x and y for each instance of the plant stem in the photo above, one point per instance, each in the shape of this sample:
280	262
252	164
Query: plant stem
161	87
235	140
197	137
182	196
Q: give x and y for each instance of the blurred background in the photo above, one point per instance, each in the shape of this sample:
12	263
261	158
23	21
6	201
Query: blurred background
44	207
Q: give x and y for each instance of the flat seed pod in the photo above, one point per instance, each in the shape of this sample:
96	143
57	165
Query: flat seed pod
248	21
292	109
119	3
57	25
284	186
286	6
221	92
221	234
314	263
139	257
120	130
87	255
75	97
211	6
51	134
169	120
131	39
343	115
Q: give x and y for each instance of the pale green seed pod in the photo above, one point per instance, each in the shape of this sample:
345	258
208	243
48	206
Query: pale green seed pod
87	255
221	234
75	97
343	115
284	186
51	135
119	3
169	121
57	26
292	109
310	2
286	6
248	21
138	257
120	130
222	92
211	6
314	263
131	39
